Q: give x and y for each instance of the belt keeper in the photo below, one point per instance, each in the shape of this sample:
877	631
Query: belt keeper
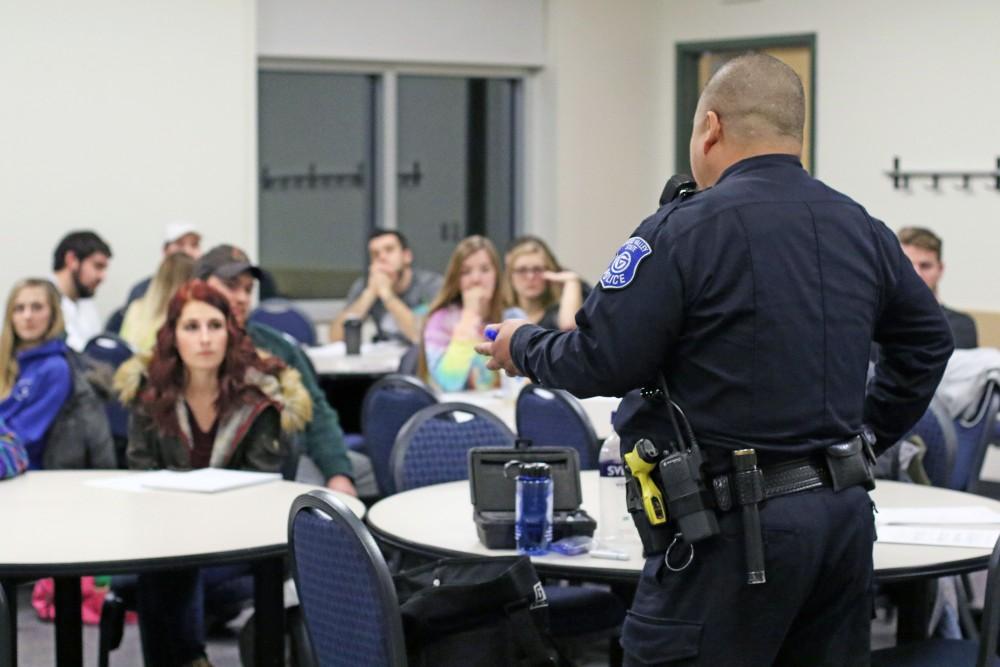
749	486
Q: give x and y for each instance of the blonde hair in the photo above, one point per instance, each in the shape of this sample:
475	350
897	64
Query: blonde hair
451	290
530	245
9	342
146	315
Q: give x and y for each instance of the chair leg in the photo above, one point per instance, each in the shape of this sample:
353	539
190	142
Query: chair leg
963	596
111	628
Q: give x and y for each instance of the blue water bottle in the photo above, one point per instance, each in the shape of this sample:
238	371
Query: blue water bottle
532	507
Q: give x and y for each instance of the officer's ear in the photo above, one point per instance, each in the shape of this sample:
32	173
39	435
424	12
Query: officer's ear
713	130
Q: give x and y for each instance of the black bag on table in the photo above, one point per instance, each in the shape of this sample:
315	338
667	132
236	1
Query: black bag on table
475	612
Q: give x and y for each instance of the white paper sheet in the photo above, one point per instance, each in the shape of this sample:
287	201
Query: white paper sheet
971	514
205	480
945	537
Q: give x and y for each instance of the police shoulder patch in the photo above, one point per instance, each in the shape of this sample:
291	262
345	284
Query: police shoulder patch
622	269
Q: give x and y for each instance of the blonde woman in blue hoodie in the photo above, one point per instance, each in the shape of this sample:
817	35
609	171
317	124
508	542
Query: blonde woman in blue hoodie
35	377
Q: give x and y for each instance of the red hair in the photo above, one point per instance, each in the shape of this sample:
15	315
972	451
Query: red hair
166	370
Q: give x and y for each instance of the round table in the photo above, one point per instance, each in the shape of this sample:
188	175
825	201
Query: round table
64	524
437	521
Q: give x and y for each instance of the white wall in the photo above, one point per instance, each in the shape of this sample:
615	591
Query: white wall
118	116
453	32
598	128
913	78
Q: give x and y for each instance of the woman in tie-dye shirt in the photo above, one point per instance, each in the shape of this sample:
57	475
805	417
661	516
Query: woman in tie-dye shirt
469	300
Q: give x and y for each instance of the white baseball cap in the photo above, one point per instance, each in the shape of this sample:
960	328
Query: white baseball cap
177	229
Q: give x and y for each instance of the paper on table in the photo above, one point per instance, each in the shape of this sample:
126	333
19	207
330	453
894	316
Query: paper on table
205	480
946	515
131	482
945	537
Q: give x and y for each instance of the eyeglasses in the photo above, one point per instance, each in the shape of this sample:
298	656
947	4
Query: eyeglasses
526	271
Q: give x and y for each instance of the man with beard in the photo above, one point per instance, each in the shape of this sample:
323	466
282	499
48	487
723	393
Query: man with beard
79	264
394	295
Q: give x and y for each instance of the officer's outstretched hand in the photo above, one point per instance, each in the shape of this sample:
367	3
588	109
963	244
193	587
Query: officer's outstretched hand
499	348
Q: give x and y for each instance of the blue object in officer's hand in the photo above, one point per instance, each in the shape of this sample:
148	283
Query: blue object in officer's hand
491	334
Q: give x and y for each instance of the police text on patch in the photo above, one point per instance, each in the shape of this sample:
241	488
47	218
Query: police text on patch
622	269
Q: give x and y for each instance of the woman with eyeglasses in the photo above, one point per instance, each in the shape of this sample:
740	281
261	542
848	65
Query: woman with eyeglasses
538	285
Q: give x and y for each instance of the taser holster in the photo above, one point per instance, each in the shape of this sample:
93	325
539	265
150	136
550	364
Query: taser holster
655	539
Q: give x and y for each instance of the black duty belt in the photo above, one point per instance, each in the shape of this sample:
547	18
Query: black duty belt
780	479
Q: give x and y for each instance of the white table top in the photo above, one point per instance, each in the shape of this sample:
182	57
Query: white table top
54	522
439	518
598	408
375	359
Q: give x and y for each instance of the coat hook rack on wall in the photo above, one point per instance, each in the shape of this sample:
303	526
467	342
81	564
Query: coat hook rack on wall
901	178
312	179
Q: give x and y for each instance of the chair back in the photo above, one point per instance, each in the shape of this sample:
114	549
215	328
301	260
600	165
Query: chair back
974	434
388	404
108	348
937	431
283	315
991	612
344	586
433	445
555	418
409	361
6	641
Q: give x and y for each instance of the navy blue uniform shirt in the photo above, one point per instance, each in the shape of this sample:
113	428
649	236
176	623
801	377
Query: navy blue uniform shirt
758	299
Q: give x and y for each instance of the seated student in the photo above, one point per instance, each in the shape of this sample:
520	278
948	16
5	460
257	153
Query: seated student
923	247
46	401
79	265
548	294
469	300
35	377
180	236
205	399
229	270
394	294
146	314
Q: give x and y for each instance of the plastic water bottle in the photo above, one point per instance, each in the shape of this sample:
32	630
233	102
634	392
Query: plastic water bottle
532	507
615	524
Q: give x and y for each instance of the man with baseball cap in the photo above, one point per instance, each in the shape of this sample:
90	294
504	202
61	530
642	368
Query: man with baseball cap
229	270
180	236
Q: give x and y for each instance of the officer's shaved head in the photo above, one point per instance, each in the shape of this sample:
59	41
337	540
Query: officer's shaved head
757	98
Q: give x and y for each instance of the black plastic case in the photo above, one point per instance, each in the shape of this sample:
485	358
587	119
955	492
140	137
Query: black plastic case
493	493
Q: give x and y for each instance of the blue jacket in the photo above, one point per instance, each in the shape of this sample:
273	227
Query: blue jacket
43	384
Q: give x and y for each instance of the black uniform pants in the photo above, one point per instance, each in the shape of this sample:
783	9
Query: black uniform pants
814	609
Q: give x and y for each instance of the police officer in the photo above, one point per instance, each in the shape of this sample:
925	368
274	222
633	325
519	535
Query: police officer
757	299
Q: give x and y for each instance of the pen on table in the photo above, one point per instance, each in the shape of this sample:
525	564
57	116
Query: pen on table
608	554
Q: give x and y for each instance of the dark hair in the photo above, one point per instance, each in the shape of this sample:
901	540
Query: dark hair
83	244
166	370
921	237
379	231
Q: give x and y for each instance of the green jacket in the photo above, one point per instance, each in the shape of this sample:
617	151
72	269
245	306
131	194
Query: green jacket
324	441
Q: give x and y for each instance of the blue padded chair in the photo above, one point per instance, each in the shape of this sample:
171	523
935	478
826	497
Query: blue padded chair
344	586
388	404
937	431
555	418
974	435
109	349
433	445
955	652
283	315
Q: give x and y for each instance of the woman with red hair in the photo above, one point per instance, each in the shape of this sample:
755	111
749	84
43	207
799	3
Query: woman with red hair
204	399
